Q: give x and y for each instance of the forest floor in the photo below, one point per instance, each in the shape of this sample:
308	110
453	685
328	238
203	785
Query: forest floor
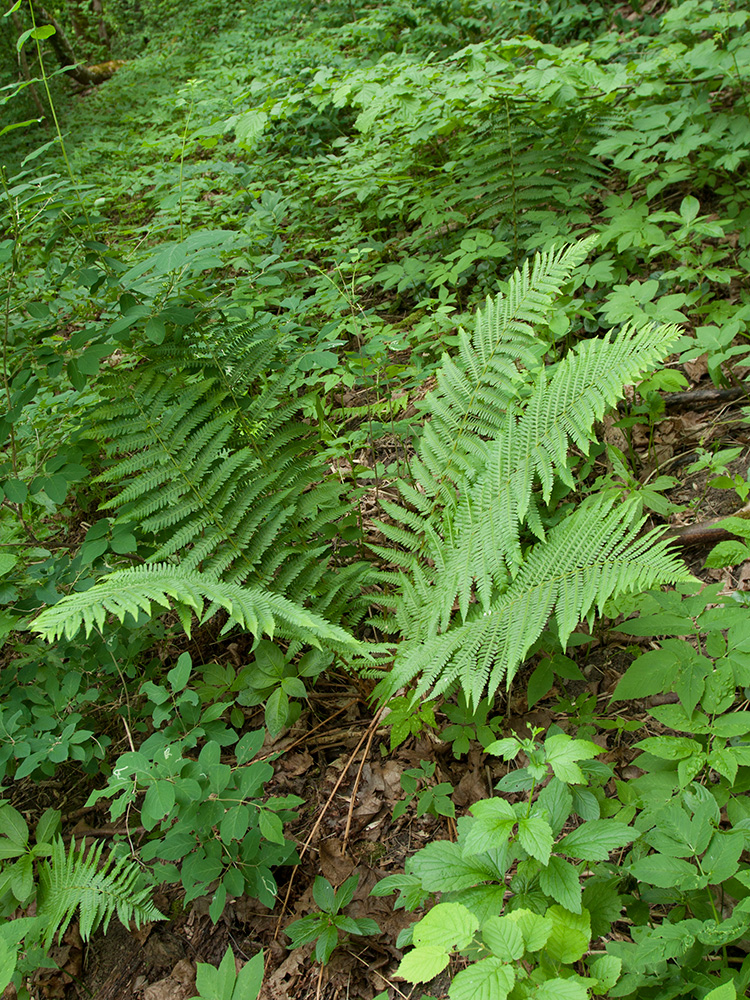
337	759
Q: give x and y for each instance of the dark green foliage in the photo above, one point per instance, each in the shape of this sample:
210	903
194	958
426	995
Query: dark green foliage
234	290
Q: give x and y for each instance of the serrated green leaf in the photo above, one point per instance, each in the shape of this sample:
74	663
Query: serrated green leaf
560	881
488	979
423	963
535	928
535	836
504	938
665	872
447	926
570	936
606	970
494	823
595	840
562	989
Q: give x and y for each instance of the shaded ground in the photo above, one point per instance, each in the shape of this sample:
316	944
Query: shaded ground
338	762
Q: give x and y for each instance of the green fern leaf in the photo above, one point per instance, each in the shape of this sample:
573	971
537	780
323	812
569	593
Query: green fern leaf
591	555
472	593
79	881
136	590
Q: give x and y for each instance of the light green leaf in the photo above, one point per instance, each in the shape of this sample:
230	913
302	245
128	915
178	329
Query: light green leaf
665	872
570	935
8	960
535	836
562	989
7	562
179	675
504	938
596	839
495	819
535	928
606	970
488	979
724	992
422	964
250	979
447	926
560	881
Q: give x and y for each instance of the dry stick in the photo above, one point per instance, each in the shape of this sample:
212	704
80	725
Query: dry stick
697	399
372	730
384	978
318	821
707	532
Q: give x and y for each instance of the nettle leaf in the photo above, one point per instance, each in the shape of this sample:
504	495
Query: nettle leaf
561	752
504	938
535	836
489	979
493	825
423	963
535	928
665	872
669	747
595	840
560	880
442	868
563	989
447	926
606	970
571	932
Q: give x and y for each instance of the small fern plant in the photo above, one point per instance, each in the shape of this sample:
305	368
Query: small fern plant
77	880
484	555
67	882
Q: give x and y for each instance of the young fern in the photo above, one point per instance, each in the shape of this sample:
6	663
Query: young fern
75	880
480	571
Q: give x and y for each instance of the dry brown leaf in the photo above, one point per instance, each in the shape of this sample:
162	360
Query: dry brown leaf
334	864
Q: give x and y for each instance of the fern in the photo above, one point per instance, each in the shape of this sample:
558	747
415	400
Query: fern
221	483
480	570
136	590
77	880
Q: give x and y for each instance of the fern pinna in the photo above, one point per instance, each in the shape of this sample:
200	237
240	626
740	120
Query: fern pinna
480	569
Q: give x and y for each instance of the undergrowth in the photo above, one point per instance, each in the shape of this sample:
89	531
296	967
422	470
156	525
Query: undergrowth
318	322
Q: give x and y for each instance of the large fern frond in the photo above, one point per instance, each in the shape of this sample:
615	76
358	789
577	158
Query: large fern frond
211	465
591	555
136	590
471	593
75	880
474	390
